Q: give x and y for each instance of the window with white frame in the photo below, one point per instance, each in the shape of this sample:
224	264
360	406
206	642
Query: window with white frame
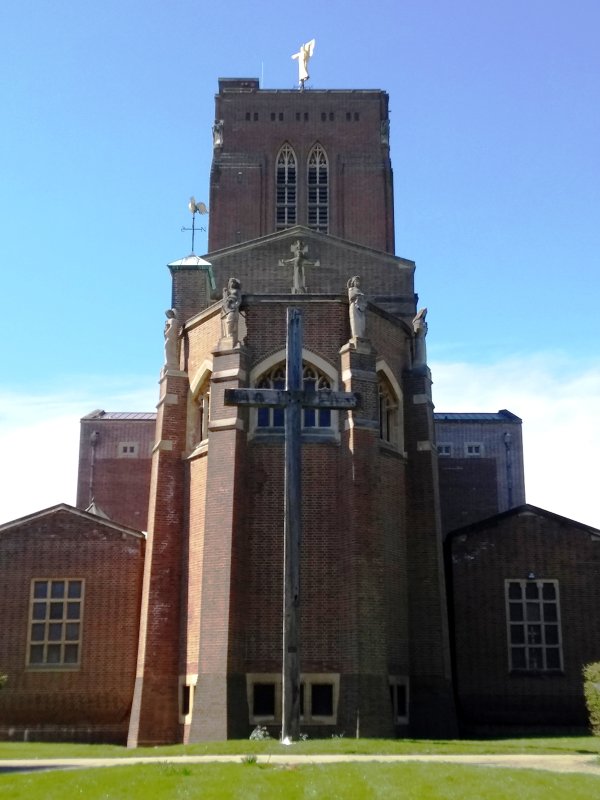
318	698
312	418
533	622
187	685
399	698
444	449
56	613
128	450
318	189
285	188
473	449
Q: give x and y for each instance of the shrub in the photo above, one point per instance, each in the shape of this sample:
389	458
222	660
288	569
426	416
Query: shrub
3	679
259	733
591	690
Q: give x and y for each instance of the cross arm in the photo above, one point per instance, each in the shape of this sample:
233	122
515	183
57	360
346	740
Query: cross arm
280	398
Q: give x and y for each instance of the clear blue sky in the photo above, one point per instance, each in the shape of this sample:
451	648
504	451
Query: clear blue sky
495	129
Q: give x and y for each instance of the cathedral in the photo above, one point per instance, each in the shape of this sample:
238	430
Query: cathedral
153	612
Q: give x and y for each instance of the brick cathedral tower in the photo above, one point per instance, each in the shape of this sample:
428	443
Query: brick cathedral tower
301	201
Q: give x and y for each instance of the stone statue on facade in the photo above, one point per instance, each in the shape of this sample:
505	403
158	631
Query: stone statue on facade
357	308
303	56
217	133
299	262
420	329
385	131
230	311
172	330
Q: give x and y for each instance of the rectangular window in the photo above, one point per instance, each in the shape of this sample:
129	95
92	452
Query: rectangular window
473	449
263	700
533	626
264	697
55	623
318	698
321	700
399	698
444	450
187	685
128	449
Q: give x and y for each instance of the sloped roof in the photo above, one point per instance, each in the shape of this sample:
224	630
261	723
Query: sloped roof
98	414
525	508
95	509
476	416
302	232
66	508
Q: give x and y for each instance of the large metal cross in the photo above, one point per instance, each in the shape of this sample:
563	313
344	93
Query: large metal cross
292	399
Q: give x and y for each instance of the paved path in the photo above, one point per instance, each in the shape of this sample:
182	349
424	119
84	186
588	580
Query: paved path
589	764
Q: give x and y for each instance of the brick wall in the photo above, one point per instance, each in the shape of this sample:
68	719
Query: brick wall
347	124
91	702
117	481
533	542
354	567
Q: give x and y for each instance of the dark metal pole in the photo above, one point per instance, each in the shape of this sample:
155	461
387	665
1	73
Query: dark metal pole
290	711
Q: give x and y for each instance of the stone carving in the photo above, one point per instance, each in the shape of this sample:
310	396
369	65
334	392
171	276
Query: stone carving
357	309
385	131
420	329
299	261
172	330
217	133
303	56
230	310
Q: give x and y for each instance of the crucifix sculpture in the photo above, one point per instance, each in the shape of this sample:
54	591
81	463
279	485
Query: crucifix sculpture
292	399
298	262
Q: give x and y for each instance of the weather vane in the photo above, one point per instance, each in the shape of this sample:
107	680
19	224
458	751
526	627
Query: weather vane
303	56
195	208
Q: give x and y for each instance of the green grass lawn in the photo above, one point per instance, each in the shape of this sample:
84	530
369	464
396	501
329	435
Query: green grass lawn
549	745
348	781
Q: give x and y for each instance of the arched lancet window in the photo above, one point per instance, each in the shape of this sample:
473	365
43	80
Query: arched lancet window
318	189
203	403
199	408
313	380
387	411
390	411
285	188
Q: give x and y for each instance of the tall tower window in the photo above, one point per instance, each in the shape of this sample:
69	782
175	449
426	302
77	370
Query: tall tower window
286	188
318	190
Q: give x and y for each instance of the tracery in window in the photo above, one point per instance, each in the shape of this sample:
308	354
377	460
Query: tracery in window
285	188
313	381
318	189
